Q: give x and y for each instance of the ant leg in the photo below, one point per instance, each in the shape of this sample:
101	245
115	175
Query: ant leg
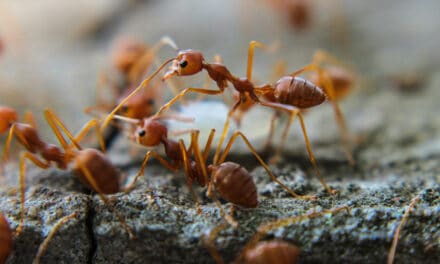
265	228
284	135
29	118
271	133
392	252
312	157
202	166
188	173
102	82
330	92
263	164
292	110
8	143
208	241
208	144
321	56
250	60
162	161
88	175
49	237
94	123
13	131
343	129
142	85
208	80
37	162
142	65
310	67
279	70
182	93
54	122
224	133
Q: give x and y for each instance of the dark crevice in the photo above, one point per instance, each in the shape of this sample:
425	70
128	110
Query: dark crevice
89	225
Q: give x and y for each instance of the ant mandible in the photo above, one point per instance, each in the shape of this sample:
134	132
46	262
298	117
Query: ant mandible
274	251
290	93
90	165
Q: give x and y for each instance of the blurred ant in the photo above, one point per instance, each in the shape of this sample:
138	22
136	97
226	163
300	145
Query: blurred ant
131	59
392	251
90	165
290	93
230	180
298	12
6	238
274	251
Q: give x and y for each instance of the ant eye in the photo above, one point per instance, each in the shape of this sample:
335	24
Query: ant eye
150	101
183	64
141	133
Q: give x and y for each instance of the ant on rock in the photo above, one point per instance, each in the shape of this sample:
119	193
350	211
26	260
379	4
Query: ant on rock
290	93
274	251
90	165
229	179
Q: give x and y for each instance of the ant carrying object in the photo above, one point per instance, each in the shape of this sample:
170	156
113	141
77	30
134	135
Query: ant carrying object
273	251
90	165
6	238
230	180
290	93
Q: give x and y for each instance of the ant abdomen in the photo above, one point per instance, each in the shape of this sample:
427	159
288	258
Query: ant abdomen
298	92
5	239
106	175
272	252
234	184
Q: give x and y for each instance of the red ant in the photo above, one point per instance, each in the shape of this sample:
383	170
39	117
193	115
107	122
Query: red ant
336	82
6	238
132	59
90	165
275	251
230	180
290	93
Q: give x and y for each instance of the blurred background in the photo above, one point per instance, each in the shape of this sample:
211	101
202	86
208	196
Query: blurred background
53	51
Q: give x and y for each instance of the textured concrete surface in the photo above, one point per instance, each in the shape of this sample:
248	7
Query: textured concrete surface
397	155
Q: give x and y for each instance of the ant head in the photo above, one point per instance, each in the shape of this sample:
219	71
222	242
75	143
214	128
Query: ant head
138	107
187	62
7	116
151	132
